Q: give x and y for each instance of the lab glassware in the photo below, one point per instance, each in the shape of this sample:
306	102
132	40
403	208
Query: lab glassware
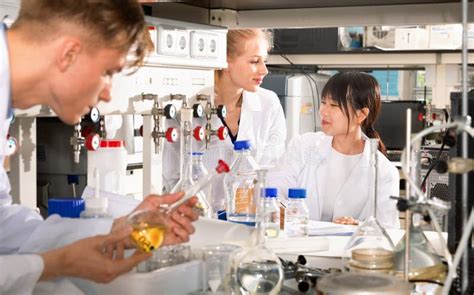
370	248
296	213
149	226
239	185
217	261
260	270
271	216
186	163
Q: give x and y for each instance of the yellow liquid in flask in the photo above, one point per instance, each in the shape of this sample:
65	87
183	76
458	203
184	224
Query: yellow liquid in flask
148	238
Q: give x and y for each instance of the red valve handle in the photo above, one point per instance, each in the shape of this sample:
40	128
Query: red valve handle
222	133
92	142
171	134
199	133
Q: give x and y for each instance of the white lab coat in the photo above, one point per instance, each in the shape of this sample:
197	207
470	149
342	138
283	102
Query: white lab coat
262	121
304	165
23	230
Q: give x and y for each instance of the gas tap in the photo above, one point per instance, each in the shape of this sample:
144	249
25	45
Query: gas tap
85	137
220	111
198	110
169	111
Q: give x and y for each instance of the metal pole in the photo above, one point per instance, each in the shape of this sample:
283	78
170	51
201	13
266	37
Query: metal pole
407	195
464	182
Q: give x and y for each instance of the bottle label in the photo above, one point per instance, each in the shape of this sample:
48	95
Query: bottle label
244	201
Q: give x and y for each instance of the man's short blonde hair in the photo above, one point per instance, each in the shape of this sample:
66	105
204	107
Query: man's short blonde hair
117	24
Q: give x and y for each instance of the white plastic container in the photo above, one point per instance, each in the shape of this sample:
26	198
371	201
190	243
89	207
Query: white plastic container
111	160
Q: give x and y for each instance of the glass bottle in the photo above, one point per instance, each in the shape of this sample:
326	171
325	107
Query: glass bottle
186	163
370	249
271	213
296	213
239	185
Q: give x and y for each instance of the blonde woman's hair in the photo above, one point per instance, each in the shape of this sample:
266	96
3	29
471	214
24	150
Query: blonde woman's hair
236	40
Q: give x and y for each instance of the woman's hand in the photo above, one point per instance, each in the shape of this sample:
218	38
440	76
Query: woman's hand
346	220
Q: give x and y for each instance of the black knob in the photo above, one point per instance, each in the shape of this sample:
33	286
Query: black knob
93	115
449	138
303	286
402	205
221	111
301	260
170	111
198	111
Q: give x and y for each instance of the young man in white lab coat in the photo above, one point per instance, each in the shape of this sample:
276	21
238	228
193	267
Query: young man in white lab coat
334	165
63	54
253	113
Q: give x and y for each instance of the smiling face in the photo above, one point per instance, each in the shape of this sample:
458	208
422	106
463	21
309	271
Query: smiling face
247	69
82	82
334	121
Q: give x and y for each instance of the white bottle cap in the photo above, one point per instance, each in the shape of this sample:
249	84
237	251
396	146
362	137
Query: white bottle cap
186	115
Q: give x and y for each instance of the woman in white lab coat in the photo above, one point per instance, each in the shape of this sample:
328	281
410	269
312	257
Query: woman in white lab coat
333	165
253	113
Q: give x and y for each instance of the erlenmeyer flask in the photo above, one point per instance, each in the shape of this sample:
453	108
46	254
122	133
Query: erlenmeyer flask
370	249
186	163
425	264
260	271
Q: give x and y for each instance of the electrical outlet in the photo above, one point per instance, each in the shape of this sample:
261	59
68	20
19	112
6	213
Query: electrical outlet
166	41
198	44
182	43
213	50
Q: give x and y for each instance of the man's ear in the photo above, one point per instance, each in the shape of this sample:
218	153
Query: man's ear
68	52
362	115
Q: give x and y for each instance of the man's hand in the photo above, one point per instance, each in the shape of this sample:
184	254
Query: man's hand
87	259
179	224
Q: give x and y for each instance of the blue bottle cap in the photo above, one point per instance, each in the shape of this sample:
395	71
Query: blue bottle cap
270	192
241	145
66	207
297	193
197	153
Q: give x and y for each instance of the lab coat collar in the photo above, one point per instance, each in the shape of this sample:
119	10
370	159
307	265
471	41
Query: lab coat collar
251	101
327	144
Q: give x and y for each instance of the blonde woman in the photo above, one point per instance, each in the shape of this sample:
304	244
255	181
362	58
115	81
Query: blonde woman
253	113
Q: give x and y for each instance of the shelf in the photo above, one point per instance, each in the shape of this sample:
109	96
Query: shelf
311	13
396	59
